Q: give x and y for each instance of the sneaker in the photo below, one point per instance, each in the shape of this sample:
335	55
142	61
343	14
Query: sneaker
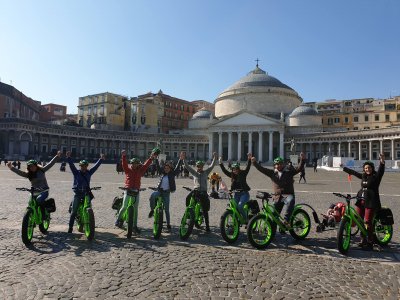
168	228
136	230
151	213
70	230
119	223
368	246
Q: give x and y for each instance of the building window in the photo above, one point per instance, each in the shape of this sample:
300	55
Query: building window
366	118
337	120
356	119
330	121
398	117
346	119
376	117
387	118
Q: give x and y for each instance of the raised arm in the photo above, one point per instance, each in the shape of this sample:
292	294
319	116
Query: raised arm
97	164
213	163
265	171
226	172
16	171
52	162
74	170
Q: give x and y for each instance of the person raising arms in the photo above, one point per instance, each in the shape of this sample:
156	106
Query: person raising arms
369	192
133	174
81	183
282	182
238	182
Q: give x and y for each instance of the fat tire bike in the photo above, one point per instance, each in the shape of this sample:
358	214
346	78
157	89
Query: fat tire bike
383	232
193	215
158	214
85	216
262	227
33	215
232	219
129	215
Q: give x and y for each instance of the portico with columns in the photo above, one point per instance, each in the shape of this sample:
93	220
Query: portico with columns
247	132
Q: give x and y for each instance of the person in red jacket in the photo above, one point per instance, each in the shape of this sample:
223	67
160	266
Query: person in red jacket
133	175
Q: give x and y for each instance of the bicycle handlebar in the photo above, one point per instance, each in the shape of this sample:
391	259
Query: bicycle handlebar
132	190
153	188
347	196
187	188
32	189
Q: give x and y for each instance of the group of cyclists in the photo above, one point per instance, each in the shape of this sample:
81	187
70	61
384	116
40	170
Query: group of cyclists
281	176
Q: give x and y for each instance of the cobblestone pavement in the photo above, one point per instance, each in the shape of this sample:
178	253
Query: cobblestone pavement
66	266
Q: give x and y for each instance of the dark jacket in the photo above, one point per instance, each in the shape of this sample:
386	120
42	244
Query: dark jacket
82	180
171	176
238	182
284	184
369	186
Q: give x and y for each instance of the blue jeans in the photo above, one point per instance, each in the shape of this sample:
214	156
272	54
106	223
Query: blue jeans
241	199
166	197
75	204
288	202
125	204
41	197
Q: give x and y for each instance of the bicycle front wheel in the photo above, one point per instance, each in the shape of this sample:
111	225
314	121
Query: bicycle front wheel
300	224
260	231
28	223
198	220
344	235
44	226
229	227
130	221
187	223
89	224
383	233
158	222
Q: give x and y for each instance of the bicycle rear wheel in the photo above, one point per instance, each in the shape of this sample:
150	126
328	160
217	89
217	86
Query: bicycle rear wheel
187	223
89	224
158	222
260	231
130	221
344	235
28	223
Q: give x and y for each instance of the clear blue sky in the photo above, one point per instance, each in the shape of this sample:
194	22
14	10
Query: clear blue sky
58	50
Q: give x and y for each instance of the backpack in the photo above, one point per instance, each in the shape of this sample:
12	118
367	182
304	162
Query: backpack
50	205
385	216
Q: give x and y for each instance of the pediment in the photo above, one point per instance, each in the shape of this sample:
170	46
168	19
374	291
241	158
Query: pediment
247	119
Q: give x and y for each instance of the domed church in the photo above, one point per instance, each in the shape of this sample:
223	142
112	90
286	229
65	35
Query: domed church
250	116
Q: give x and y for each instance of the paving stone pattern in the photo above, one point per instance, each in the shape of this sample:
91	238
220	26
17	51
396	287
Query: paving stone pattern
67	266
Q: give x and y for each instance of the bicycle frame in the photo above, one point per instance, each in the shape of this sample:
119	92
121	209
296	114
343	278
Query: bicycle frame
354	217
233	206
270	212
33	205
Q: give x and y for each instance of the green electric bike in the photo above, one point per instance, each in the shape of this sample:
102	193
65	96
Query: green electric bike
85	216
158	215
262	227
232	219
130	212
382	225
34	215
193	215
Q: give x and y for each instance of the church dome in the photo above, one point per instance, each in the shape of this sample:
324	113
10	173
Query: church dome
304	116
303	110
257	92
202	114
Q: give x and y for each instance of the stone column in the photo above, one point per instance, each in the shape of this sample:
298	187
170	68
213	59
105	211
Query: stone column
260	145
220	143
320	150
339	149
349	149
359	150
281	144
229	145
270	149
381	146
239	150
250	142
330	148
210	145
370	149
392	144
